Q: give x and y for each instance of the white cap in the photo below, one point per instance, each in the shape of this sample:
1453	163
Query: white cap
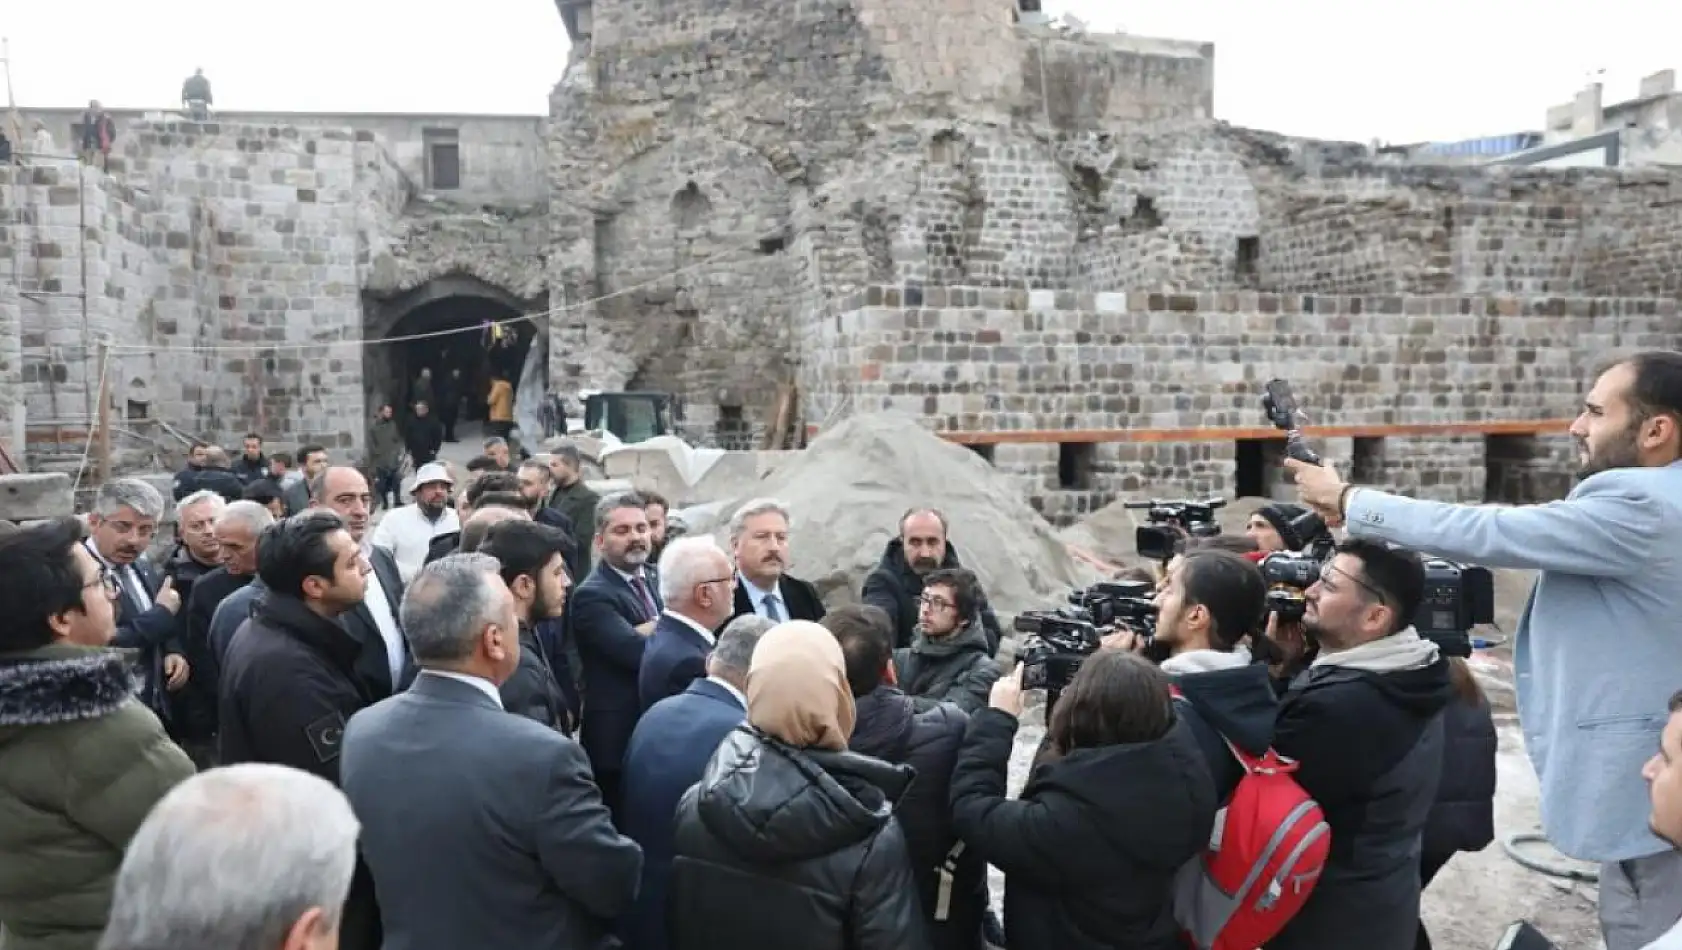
433	472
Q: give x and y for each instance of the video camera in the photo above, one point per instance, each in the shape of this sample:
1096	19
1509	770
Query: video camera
1457	598
1169	521
1289	575
1059	640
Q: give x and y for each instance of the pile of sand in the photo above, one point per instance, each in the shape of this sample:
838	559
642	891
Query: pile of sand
849	488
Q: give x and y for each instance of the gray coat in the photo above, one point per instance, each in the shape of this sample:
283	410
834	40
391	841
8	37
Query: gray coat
1596	653
540	866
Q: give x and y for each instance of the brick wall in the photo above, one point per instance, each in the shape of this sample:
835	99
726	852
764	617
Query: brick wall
998	360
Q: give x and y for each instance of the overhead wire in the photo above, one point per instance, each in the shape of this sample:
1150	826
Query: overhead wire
723	256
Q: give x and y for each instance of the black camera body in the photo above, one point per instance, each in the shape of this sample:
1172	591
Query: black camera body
1055	649
1168	519
1127	603
1289	575
1457	598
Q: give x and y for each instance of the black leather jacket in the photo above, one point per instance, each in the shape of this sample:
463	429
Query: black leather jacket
785	847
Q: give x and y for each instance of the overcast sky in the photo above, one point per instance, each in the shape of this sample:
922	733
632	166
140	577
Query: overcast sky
1398	71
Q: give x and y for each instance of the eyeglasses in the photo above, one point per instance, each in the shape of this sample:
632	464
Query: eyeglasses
935	603
107	580
717	580
1326	580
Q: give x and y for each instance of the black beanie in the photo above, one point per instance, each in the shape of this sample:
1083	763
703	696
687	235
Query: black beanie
1280	515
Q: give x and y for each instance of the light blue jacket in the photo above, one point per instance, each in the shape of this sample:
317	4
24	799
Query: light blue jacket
1598	652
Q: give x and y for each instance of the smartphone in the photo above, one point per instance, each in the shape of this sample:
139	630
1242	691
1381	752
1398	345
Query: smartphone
1280	405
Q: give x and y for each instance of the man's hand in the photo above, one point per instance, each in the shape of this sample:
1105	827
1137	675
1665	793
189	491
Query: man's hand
1007	693
168	597
646	628
175	670
1122	639
1320	487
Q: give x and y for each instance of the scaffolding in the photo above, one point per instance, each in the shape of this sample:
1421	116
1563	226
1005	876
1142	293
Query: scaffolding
23	221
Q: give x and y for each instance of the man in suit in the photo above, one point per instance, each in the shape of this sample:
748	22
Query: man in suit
384	662
613	613
1596	652
697	583
759	541
544	867
124	519
669	751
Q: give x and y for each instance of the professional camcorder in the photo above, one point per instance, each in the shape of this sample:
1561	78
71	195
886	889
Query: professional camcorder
1457	598
1060	639
1169	521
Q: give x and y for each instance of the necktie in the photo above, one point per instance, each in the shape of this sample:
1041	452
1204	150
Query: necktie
773	609
137	588
642	592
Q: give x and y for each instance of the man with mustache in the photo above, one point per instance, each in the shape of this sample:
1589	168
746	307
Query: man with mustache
759	543
124	519
613	612
896	584
1596	652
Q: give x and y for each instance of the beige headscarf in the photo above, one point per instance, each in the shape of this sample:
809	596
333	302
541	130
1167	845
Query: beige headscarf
797	687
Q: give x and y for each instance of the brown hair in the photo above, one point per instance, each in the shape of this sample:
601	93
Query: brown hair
1116	698
1465	682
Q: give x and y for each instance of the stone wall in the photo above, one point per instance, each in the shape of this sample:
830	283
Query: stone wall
992	360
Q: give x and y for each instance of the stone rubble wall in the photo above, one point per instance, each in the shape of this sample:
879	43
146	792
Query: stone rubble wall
984	359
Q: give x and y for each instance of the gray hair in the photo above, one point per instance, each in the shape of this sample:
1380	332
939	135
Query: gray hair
479	524
249	513
567	451
201	497
495	442
133	493
753	509
291	834
736	643
685	564
611	503
447	605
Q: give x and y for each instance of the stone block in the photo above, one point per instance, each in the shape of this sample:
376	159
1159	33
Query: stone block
31	496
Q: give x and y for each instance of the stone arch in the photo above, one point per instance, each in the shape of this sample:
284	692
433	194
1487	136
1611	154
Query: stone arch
438	324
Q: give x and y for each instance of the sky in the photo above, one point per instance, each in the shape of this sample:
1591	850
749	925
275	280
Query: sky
1422	70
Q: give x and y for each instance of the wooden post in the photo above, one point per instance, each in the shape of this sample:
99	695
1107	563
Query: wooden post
104	410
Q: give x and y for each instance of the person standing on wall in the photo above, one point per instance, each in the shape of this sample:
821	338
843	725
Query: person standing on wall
1596	652
499	419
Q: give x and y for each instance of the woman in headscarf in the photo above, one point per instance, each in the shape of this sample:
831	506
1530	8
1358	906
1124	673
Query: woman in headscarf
789	840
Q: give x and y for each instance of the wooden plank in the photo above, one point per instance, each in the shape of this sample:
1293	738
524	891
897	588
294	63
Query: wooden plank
1237	433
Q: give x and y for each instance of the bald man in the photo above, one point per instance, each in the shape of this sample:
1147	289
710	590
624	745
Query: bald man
384	663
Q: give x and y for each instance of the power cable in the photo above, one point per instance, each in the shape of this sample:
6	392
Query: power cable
87	446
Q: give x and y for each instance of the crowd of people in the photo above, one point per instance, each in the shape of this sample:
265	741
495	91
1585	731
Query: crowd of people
514	713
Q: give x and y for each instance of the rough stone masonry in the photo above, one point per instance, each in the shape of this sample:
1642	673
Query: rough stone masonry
923	207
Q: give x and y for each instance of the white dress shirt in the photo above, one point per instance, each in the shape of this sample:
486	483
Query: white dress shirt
706	634
407	533
379	605
126	574
482	685
757	595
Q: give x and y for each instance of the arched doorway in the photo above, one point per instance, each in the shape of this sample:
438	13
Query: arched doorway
462	331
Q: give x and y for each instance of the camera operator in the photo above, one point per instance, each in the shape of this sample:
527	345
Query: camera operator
949	659
1596	651
1118	804
1273	528
1364	723
1210	601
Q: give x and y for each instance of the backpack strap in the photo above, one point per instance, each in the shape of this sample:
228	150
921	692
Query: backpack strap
1266	764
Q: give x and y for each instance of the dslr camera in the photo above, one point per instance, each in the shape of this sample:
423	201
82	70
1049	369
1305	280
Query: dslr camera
1169	520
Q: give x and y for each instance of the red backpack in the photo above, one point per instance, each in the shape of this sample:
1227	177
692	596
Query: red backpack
1266	853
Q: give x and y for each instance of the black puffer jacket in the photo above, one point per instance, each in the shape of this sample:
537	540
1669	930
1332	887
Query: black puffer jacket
532	691
889	727
1226	699
895	587
1090	849
785	847
959	669
1463	816
1370	748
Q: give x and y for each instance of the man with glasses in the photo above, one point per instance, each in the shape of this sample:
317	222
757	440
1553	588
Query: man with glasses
1364	723
124	519
949	660
698	585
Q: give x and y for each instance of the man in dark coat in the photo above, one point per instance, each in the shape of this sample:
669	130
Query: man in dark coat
385	457
534	568
290	682
125	517
951	880
613	614
1365	724
482	829
759	543
949	660
216	477
423	435
195	556
383	664
668	752
896	583
251	464
695	583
